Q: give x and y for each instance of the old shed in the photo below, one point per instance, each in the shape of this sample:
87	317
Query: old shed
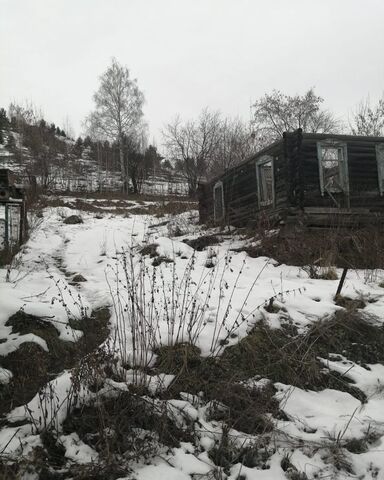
305	178
12	211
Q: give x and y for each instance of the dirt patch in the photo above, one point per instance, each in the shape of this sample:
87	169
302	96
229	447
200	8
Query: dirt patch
73	220
126	415
96	472
9	471
78	278
351	334
172	207
150	249
161	259
245	409
24	323
29	365
227	453
278	355
54	450
202	242
32	367
349	303
218	379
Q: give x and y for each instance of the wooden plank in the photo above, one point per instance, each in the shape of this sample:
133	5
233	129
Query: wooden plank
349	138
336	211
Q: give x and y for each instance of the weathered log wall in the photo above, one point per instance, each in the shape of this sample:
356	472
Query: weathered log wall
362	173
240	190
296	180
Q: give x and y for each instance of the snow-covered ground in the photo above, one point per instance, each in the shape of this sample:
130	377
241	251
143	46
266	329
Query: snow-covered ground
211	298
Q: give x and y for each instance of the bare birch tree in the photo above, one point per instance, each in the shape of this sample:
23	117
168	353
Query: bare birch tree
118	110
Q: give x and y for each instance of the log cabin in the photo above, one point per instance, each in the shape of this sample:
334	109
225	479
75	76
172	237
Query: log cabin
315	180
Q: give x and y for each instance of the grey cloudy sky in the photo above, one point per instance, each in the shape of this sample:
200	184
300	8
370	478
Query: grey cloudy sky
188	54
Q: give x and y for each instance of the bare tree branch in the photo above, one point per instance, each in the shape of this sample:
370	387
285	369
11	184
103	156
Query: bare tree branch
276	113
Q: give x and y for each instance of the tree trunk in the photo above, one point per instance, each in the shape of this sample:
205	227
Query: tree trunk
134	183
192	185
123	167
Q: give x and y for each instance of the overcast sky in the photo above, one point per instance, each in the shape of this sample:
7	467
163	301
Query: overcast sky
188	54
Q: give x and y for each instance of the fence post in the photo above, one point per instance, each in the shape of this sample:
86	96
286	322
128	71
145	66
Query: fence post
341	283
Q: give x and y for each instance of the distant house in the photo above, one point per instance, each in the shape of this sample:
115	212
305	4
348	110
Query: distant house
312	179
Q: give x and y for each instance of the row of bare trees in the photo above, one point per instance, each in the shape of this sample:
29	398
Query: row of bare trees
207	146
212	144
198	148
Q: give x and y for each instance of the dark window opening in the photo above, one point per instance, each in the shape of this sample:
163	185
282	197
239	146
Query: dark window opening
265	182
333	169
218	195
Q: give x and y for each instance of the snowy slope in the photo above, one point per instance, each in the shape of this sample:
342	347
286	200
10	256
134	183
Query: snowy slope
228	290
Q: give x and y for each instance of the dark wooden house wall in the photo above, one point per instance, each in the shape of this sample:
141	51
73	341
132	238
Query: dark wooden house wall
296	180
240	193
362	173
241	190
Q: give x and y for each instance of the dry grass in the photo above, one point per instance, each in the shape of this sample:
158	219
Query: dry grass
126	415
32	367
129	425
277	355
321	250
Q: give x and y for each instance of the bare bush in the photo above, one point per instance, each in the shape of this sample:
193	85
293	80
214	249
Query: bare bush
368	119
276	113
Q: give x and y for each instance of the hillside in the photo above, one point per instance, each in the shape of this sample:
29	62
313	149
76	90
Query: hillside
137	344
42	154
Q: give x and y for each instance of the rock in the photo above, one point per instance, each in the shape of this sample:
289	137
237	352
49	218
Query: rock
73	220
202	242
79	278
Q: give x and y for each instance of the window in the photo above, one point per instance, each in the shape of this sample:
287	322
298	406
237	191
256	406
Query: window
218	202
265	183
333	167
380	166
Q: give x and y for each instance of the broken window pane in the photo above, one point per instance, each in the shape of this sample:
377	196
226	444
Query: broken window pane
265	179
333	168
331	158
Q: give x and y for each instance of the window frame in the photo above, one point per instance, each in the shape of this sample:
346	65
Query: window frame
218	185
260	162
342	164
380	166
